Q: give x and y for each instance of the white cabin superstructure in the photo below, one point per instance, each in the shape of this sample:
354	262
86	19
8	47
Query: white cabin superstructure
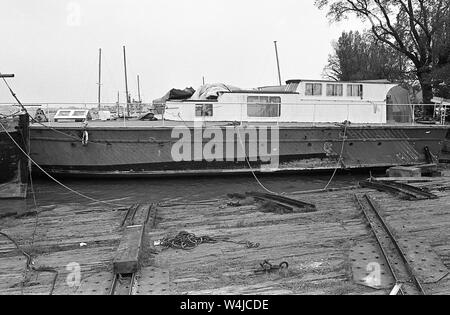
298	101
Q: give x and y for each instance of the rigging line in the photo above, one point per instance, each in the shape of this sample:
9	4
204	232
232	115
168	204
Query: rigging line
54	179
30	264
34	195
36	222
32	190
250	166
246	159
340	157
306	191
38	122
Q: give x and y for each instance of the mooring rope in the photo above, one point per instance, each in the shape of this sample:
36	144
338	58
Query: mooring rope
341	155
30	264
54	179
38	122
250	166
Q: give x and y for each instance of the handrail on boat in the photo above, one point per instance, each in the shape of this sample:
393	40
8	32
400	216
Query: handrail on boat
404	116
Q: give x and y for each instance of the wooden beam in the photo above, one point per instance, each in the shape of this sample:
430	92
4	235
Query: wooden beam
127	256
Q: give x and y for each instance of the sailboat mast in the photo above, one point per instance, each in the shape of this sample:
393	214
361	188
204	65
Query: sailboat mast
118	104
278	62
99	78
139	90
126	81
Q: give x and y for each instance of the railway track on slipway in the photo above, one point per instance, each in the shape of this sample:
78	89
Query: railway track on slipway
396	258
123	284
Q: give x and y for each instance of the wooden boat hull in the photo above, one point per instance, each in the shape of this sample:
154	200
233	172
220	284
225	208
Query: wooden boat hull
14	165
147	150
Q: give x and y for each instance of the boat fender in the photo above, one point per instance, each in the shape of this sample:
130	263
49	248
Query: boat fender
85	138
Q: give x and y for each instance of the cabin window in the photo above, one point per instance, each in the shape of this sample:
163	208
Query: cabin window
292	87
64	113
355	90
335	89
203	110
263	106
313	89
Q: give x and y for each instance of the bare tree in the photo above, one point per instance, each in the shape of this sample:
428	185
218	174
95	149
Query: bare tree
408	26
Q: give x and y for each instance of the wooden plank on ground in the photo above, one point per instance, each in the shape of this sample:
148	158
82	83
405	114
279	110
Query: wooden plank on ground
126	259
403	171
406	179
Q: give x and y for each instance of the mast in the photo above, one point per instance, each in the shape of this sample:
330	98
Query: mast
139	90
126	81
118	104
278	62
99	77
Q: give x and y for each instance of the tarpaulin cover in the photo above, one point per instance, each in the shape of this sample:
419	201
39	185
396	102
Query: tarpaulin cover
212	91
398	108
175	94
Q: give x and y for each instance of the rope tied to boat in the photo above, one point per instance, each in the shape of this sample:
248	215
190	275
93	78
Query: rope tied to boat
54	179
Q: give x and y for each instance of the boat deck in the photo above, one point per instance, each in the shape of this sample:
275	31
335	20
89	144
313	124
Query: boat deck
130	124
317	245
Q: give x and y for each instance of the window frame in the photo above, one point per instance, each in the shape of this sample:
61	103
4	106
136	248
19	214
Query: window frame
335	89
314	86
359	88
270	101
204	108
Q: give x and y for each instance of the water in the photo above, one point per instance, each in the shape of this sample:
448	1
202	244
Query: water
130	191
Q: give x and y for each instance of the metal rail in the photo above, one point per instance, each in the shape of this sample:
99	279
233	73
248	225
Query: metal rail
123	284
308	207
415	190
408	117
412	192
136	215
396	259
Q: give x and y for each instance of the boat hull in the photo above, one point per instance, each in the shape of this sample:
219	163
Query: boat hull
14	165
149	150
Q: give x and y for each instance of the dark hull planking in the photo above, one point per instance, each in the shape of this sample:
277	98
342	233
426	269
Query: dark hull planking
14	165
147	151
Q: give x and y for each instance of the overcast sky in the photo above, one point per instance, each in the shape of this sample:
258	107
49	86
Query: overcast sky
52	45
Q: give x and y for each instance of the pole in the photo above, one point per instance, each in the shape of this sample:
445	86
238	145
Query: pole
278	62
203	80
139	90
99	78
118	104
126	81
6	75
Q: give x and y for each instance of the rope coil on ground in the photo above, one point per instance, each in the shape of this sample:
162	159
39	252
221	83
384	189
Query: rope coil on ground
188	241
